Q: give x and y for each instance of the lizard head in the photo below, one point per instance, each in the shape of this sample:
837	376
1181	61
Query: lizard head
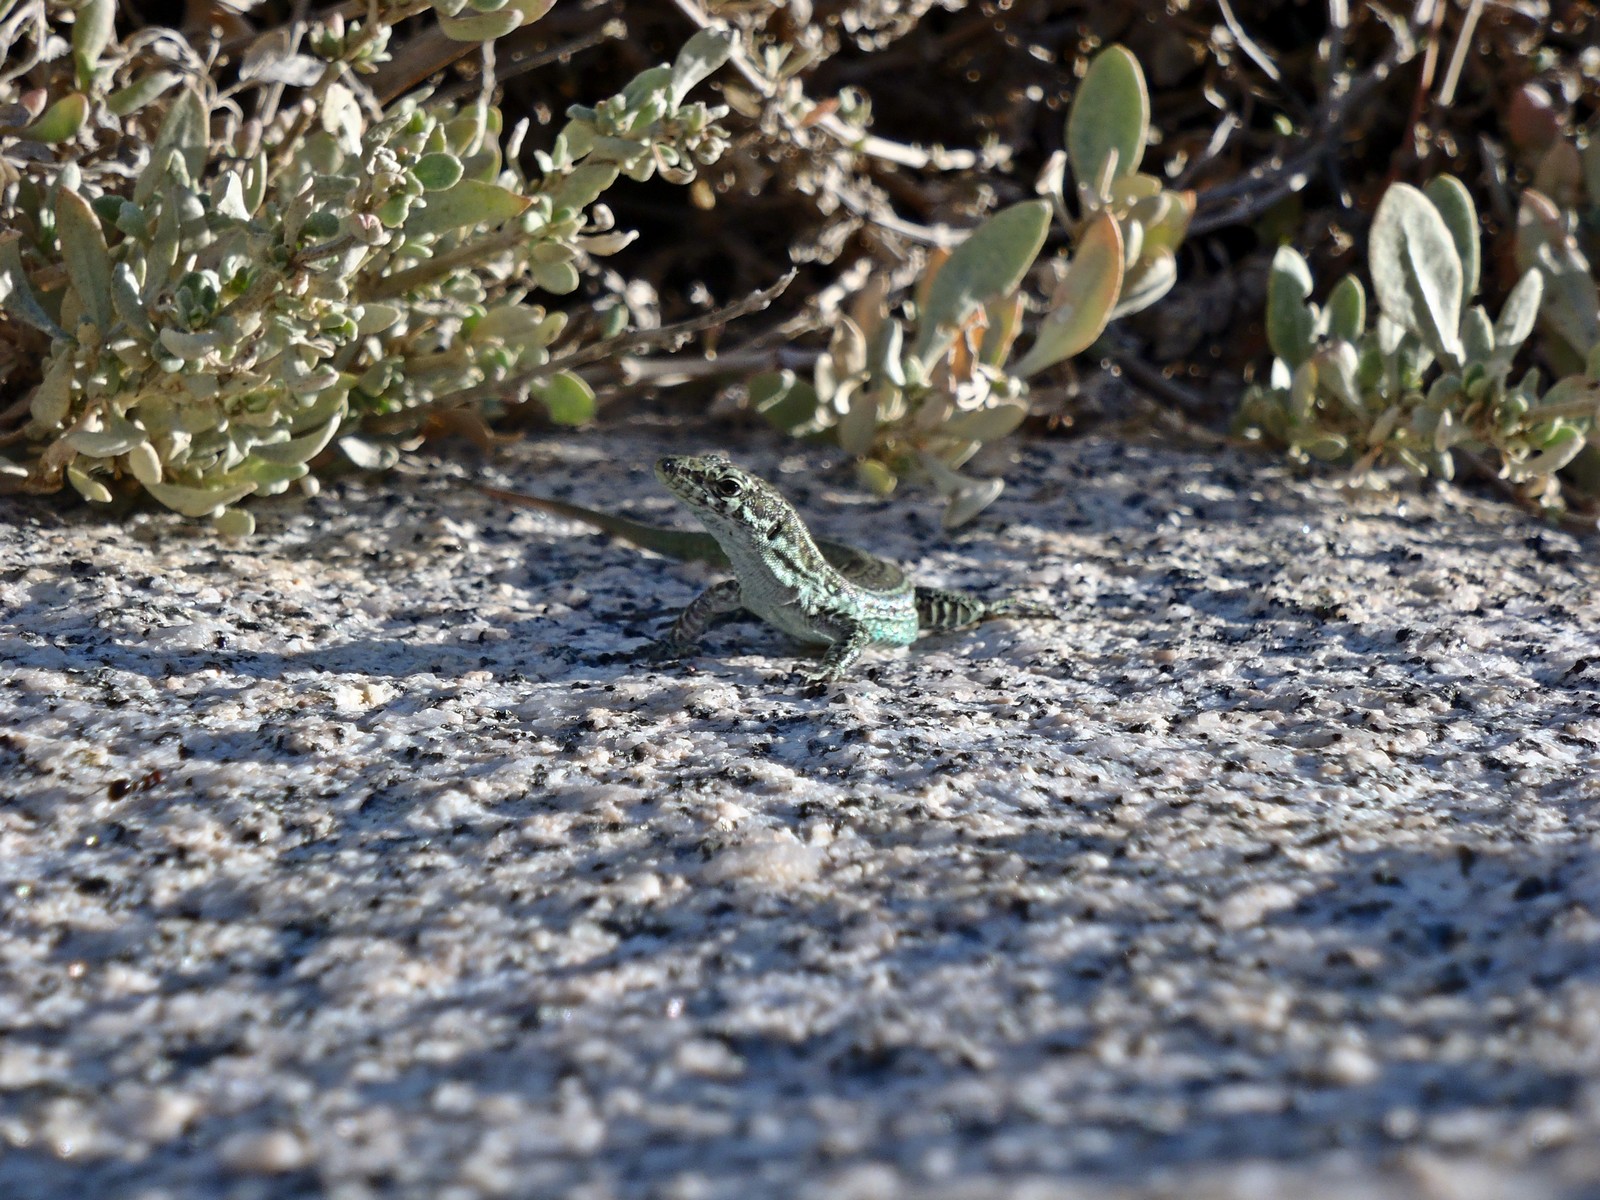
725	497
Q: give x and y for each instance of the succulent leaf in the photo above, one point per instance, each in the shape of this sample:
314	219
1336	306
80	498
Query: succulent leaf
701	55
1454	202
1291	325
1089	292
1108	122
1416	269
83	249
990	262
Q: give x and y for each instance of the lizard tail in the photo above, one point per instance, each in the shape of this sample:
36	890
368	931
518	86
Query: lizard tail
940	608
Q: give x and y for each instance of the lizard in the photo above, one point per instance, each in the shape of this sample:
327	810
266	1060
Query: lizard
817	591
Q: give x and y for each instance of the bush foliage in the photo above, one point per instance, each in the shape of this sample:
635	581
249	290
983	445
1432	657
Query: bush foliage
238	253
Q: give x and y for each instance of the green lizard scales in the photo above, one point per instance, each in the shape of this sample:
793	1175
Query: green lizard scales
816	591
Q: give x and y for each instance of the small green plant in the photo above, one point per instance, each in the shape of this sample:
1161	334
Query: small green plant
1432	374
214	305
920	394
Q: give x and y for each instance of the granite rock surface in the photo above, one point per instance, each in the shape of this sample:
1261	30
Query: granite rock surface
364	859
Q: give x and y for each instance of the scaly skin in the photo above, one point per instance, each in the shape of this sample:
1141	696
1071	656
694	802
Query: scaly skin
817	591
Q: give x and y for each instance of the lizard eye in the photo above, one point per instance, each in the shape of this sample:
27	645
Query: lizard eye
729	487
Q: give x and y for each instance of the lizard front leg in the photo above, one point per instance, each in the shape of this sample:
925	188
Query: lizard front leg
853	637
716	601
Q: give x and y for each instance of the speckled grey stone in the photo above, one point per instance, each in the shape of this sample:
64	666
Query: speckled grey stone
361	860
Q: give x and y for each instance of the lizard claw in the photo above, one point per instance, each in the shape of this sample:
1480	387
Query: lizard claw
815	683
662	651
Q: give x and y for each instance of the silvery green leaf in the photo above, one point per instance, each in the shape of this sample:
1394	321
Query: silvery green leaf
1347	310
1337	365
604	244
269	59
480	27
187	129
532	10
324	408
858	420
701	55
129	100
969	501
1454	202
875	477
986	424
990	262
568	398
438	171
105	435
341	116
1477	335
369	456
470	202
1384	426
575	141
52	399
126	300
92	31
1303	392
312	381
145	463
271	478
300	449
885	356
1109	121
227	196
1574	388
1416	269
555	323
1519	313
626	153
1560	446
1446	390
785	400
848	348
234	523
1290	322
1571	305
189	346
1148	281
1132	243
653	82
1389	336
16	296
1446	433
376	317
130	220
1325	447
199	501
1085	299
61	121
557	278
1052	179
87	486
257	174
83	249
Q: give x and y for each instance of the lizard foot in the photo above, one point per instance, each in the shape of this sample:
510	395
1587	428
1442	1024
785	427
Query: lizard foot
663	651
815	682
